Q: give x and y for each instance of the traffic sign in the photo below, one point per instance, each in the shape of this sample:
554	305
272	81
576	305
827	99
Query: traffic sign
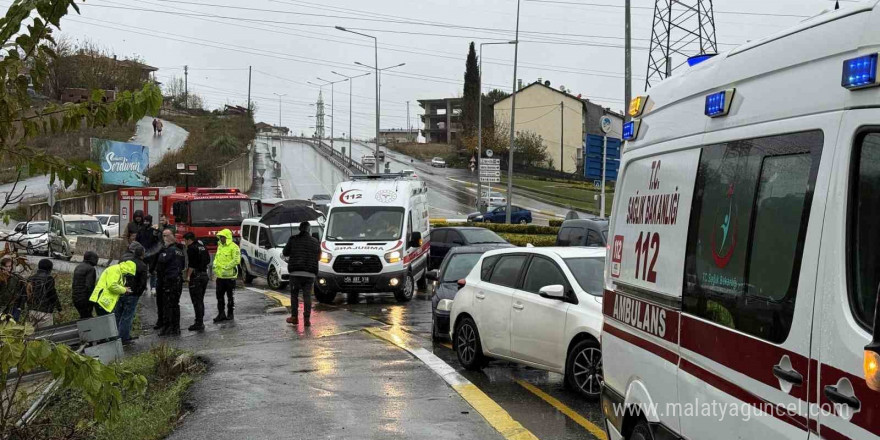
605	124
486	179
485	161
489	153
490	173
490	168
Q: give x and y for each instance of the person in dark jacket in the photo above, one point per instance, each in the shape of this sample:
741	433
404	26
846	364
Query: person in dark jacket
197	274
303	252
134	227
43	298
127	305
84	278
169	268
151	239
12	288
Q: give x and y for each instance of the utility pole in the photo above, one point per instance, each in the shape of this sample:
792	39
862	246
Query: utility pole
186	87
674	31
561	134
480	124
512	119
627	69
408	126
350	82
249	92
279	95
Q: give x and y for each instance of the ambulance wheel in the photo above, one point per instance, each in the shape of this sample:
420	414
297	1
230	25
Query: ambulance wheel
583	369
467	345
274	280
248	278
641	432
406	294
324	297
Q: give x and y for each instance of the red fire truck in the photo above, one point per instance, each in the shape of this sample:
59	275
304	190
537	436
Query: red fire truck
202	211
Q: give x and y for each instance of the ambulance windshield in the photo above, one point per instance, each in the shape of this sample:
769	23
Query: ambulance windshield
367	223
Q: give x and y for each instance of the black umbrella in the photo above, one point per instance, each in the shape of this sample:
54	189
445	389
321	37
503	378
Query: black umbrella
283	214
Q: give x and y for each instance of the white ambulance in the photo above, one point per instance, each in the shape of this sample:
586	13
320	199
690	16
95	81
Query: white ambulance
744	255
375	239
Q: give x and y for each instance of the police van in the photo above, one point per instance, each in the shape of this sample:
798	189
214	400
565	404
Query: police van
744	246
376	238
261	247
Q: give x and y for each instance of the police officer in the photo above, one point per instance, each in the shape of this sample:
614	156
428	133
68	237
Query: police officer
169	268
197	274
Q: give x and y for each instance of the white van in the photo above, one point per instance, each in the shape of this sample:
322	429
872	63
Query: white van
261	247
64	230
376	238
744	247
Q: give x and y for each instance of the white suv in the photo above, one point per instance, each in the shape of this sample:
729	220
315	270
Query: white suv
438	162
540	307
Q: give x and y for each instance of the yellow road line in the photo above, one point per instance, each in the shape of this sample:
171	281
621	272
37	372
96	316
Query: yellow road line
494	414
283	300
561	407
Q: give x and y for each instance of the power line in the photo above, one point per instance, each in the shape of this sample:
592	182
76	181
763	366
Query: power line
651	8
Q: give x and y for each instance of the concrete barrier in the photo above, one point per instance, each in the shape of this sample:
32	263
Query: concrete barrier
103	203
239	172
106	248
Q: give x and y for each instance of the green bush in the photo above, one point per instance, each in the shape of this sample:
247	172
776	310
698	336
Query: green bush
534	239
556	223
512	229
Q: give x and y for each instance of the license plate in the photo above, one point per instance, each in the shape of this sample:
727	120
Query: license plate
356	280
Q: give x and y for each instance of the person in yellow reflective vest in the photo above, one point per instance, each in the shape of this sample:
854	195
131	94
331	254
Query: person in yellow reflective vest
111	285
225	266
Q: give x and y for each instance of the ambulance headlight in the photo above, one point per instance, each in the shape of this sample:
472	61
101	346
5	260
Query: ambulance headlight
326	257
393	256
394	282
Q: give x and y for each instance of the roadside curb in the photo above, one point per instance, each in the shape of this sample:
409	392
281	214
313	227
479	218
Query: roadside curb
491	411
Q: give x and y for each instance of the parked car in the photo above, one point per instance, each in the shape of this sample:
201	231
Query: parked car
540	307
110	223
65	230
438	162
33	237
322	202
444	239
381	155
457	264
493	198
583	232
498	214
368	160
261	247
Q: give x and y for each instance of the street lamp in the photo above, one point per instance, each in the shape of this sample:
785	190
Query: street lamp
376	48
279	95
379	90
480	126
350	81
512	118
332	107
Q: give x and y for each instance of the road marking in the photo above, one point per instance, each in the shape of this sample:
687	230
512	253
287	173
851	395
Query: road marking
284	300
494	414
561	407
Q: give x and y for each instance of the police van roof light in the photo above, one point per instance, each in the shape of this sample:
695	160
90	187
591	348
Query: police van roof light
861	72
718	104
631	130
697	59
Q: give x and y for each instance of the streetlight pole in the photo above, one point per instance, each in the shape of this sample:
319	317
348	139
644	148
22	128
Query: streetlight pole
379	92
350	81
376	50
512	118
279	95
480	124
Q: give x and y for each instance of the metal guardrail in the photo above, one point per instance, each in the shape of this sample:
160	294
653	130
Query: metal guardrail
350	167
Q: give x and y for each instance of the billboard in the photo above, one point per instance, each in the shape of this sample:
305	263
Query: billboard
122	163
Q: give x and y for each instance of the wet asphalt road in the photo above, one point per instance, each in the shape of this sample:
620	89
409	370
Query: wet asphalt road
270	380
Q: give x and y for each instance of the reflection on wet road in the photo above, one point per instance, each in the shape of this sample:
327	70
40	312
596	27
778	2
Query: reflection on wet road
536	399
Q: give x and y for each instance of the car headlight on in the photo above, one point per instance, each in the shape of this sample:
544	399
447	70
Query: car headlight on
444	305
326	257
393	256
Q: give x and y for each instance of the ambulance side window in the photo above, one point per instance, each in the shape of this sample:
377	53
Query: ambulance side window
751	206
864	235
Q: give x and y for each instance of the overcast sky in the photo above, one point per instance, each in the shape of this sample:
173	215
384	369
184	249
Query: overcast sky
575	43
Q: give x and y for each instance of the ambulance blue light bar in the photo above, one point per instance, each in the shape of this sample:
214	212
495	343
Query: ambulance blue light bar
631	129
697	59
861	72
718	104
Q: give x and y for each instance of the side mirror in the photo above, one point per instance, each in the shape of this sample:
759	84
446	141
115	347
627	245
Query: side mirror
553	291
872	352
107	233
433	275
415	239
